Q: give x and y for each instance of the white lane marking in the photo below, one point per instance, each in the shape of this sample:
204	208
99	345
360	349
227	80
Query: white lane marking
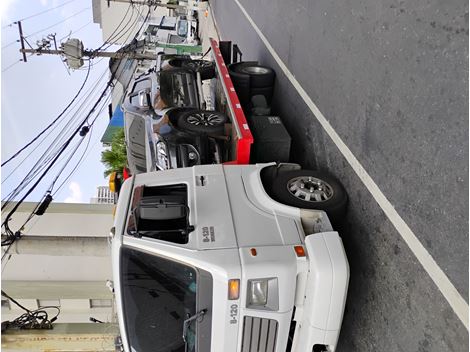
456	301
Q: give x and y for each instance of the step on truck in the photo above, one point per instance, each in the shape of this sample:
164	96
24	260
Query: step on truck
230	256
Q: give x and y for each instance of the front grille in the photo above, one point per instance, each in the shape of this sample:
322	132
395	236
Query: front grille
259	335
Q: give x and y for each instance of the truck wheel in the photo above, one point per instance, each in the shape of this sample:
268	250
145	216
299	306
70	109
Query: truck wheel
266	92
174	114
202	121
310	190
205	67
260	76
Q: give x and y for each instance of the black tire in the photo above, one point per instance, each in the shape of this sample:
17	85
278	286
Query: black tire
177	61
267	92
205	67
330	194
175	113
236	67
260	76
202	121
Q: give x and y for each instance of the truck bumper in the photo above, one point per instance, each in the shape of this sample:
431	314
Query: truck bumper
320	314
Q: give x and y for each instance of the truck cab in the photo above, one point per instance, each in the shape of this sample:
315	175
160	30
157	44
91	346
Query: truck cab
205	259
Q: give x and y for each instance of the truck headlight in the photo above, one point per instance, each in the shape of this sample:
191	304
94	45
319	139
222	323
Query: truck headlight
257	292
263	294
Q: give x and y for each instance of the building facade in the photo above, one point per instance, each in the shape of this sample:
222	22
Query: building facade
63	260
104	196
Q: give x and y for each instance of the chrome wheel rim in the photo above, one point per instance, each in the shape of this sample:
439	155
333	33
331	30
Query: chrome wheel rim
205	119
310	189
255	70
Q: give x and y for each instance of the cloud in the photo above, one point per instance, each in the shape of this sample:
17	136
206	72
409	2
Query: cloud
44	3
76	196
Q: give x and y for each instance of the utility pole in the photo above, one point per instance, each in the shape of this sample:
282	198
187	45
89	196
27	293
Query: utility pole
91	54
191	4
74	52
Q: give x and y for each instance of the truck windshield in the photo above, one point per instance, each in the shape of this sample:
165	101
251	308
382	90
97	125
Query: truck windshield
158	295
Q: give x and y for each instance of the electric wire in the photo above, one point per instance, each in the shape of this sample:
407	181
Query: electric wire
79	162
75	31
71	155
68	124
37	168
57	139
52	123
14	301
56	24
38	14
111	36
82	157
31	319
10	66
13	237
10	44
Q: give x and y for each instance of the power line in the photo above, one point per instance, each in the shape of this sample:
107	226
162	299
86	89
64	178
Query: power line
56	24
45	159
51	124
82	157
13	64
13	236
38	14
10	44
110	37
75	31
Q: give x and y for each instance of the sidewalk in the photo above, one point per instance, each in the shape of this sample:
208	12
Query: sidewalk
207	27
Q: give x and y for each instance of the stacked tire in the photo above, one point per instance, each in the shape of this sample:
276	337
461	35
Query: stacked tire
250	79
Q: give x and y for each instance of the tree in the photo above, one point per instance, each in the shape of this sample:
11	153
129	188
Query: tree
115	158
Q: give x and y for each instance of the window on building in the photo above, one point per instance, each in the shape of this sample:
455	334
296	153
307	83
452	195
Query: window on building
48	303
100	303
5	304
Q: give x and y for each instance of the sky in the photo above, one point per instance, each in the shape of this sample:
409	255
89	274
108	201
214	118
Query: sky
35	93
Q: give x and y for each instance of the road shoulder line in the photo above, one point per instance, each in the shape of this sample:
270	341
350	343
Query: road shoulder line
456	301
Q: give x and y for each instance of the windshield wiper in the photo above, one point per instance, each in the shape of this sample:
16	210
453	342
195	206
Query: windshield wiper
187	323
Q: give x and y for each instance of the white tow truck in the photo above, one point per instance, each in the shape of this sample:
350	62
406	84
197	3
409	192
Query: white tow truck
229	257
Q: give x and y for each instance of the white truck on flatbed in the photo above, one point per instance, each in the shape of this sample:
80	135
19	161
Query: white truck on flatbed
204	259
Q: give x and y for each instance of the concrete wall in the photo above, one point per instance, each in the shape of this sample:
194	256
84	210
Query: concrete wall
73	280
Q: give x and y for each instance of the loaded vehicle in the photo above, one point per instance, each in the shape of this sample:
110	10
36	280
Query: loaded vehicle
166	124
230	256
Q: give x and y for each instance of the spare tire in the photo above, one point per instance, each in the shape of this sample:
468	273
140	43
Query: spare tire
260	76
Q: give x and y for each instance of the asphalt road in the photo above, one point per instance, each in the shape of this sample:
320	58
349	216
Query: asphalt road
392	79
